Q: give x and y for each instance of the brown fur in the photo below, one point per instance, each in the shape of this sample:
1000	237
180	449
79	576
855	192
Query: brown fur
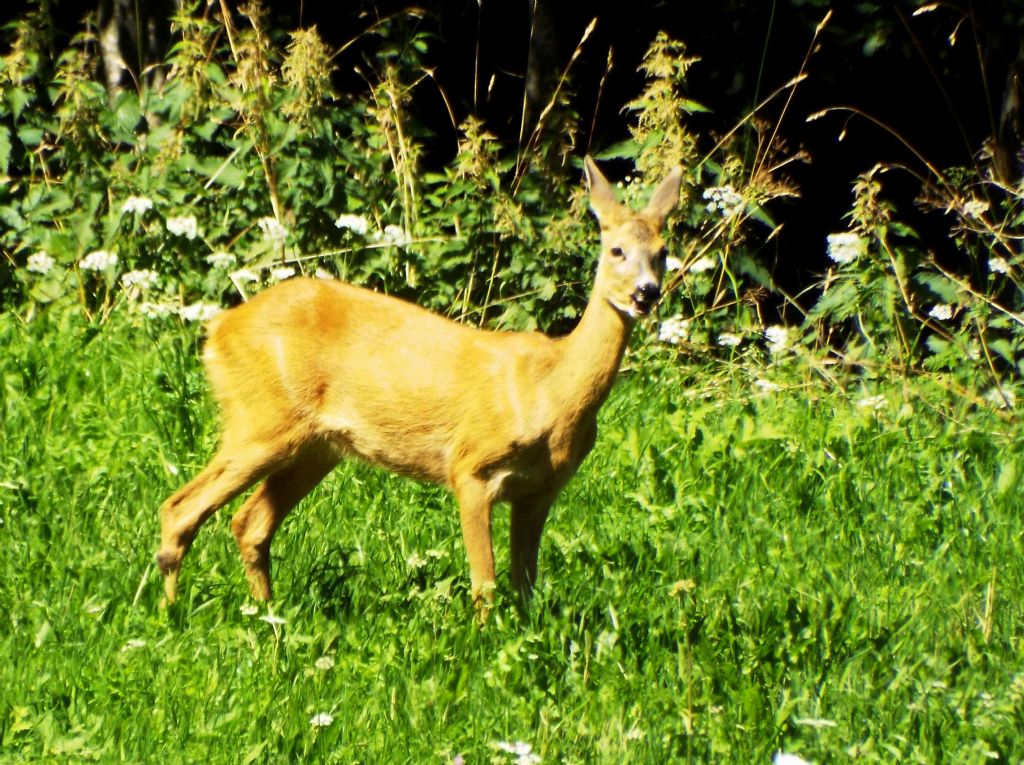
312	371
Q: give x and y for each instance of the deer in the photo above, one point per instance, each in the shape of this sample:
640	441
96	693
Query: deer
313	371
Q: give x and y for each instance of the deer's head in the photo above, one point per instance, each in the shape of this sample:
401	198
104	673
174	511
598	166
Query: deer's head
632	262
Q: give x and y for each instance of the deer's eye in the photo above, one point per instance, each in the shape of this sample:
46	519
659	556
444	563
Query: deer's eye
617	252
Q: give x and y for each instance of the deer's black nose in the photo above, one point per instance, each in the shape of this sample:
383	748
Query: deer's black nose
647	293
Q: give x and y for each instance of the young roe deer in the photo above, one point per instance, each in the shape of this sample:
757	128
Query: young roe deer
312	371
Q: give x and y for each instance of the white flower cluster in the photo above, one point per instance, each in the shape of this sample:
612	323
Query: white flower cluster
220	259
785	758
392	235
152	310
521	750
244	276
321	720
672	263
729	340
872	402
355	223
975	208
137	205
281	273
98	260
273	231
941	311
1001	398
198	311
998	265
324	663
700	265
845	247
674	330
723	199
40	263
778	338
141	280
183	225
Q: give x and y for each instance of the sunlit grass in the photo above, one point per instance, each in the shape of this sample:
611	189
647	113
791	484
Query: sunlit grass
735	571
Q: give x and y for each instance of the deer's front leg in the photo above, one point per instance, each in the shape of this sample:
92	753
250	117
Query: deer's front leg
475	505
527	522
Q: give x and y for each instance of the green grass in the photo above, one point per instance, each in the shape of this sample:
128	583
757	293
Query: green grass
732	573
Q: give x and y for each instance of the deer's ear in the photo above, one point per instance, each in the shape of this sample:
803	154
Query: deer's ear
602	196
665	197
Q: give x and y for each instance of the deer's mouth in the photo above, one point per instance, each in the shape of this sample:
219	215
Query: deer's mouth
641	306
643	299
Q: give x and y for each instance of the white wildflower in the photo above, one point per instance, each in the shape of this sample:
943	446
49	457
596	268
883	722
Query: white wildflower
249	609
40	263
522	751
777	337
415	561
198	311
138	205
674	330
729	340
99	260
273	231
872	402
724	199
281	273
324	662
767	386
394	235
975	208
156	310
141	280
183	225
1001	398
700	265
996	265
220	259
845	247
782	758
942	312
273	619
672	263
321	720
133	644
323	273
354	223
244	276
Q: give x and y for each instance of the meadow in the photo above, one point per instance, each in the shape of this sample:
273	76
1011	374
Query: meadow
801	529
756	558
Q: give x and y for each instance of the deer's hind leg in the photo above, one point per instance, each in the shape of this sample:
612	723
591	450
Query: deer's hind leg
231	471
259	518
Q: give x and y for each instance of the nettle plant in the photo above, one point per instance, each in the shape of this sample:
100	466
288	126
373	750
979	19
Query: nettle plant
244	168
718	284
887	299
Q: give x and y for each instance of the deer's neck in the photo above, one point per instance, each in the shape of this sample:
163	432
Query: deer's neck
591	355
